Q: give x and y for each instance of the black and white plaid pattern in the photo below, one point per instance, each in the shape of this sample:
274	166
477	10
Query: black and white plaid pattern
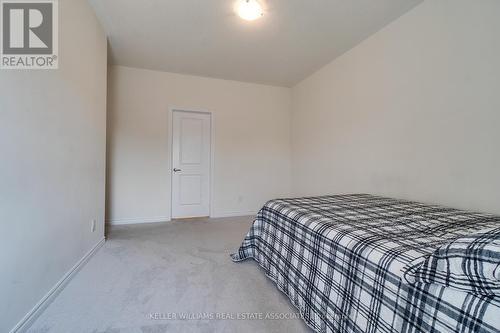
470	263
340	261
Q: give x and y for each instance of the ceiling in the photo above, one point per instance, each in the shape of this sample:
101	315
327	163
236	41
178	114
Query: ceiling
293	39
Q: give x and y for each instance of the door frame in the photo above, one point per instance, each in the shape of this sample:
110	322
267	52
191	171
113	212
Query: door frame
170	137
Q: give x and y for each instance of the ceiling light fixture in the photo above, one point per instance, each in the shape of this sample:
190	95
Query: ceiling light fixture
249	9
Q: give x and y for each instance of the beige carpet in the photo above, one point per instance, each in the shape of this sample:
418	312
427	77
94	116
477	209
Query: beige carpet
147	277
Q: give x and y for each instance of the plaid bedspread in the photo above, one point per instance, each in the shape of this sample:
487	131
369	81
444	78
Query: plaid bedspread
340	259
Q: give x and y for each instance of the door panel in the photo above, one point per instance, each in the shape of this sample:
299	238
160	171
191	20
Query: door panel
190	189
191	164
191	137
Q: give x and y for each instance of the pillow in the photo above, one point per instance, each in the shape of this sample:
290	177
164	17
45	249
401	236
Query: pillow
470	263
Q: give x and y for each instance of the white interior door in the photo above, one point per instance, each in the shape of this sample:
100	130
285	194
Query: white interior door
191	164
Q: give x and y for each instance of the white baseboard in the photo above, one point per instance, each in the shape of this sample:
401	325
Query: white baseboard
138	220
234	214
161	219
31	316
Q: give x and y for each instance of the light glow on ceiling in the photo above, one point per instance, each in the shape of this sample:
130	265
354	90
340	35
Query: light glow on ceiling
249	10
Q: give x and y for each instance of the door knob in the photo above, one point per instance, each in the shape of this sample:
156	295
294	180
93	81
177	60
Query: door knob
177	170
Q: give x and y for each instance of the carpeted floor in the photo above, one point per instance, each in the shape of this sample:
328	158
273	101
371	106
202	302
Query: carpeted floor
146	277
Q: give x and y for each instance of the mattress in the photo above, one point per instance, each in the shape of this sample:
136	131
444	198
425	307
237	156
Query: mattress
340	259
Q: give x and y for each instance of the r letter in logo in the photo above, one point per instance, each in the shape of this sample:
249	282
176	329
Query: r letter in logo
29	34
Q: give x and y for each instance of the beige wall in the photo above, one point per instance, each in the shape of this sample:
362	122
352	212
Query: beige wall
52	164
412	112
252	142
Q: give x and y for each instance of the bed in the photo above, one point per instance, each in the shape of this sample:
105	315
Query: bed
362	263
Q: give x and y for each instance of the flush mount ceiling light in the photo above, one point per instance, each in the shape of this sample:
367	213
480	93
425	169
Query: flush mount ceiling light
249	9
